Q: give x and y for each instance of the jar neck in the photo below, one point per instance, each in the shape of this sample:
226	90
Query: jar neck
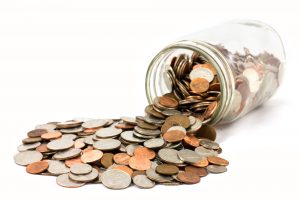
213	56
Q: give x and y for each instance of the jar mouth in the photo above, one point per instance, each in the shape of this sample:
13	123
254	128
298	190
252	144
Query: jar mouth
155	87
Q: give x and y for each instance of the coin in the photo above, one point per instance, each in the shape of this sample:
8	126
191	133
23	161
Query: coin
72	161
25	147
129	137
27	157
150	109
80	169
36	133
37	167
107	144
130	149
217	161
168	102
207	131
211	109
199	171
167	169
31	140
69	136
60	144
64	181
146	125
138	172
216	169
188	178
67	154
202	163
152	175
42	148
72	130
189	156
123	168
199	85
153	120
115	179
208	66
57	167
121	158
209	144
91	156
202	72
108	132
124	126
95	123
68	124
139	163
180	120
79	143
143	182
48	127
191	141
144	152
154	143
84	177
169	156
51	135
147	131
107	160
129	120
203	152
174	136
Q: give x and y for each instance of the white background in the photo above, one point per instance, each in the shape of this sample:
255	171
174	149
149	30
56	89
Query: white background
61	59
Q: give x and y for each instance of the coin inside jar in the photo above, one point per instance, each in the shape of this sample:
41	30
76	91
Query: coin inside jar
199	85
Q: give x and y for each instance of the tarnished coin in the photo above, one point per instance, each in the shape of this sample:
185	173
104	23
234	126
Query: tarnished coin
85	177
169	155
209	144
150	110
179	120
51	135
37	167
31	140
57	167
217	161
129	137
177	128
108	132
168	102
189	156
95	123
144	152
188	177
115	179
81	168
154	143
216	169
107	160
211	109
147	131
36	133
167	169
152	175
27	157
202	163
64	181
199	171
207	131
143	182
139	163
121	158
60	144
153	120
130	148
146	125
199	85
107	144
174	136
26	147
203	152
49	127
91	156
129	120
67	154
69	124
71	130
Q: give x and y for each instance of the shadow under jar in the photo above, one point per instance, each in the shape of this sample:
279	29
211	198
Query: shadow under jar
241	63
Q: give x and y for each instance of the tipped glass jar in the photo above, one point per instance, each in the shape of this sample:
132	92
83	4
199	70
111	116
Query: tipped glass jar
219	74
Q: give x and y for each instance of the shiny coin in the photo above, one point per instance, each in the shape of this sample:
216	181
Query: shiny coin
129	137
115	179
129	120
167	169
37	167
64	181
154	143
168	102
199	85
199	171
216	169
95	123
84	177
169	156
91	156
209	144
107	144
202	72
217	161
139	163
51	135
27	157
203	152
174	136
143	181
152	175
81	168
177	128
57	167
69	124
189	156
36	133
25	147
108	132
67	154
144	152
188	178
31	140
60	144
107	160
71	130
121	158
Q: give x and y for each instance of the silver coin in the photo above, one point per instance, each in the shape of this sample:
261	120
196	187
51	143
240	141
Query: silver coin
202	72
48	127
67	154
71	130
195	127
203	152
130	148
170	112
147	131
216	169
84	177
154	143
108	132
27	157
143	181
153	120
192	120
152	175
69	136
189	156
129	137
115	179
129	120
68	124
177	128
57	167
95	123
81	168
60	144
109	122
64	181
136	134
169	155
107	144
89	140
209	144
25	147
31	140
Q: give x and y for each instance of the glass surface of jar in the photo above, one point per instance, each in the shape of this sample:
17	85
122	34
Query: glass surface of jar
248	57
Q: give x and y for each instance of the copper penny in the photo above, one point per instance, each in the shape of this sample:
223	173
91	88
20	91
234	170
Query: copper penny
121	158
202	163
217	161
78	144
91	130
51	135
168	102
73	161
124	169
37	167
188	178
207	131
174	136
91	156
199	171
144	152
215	87
89	148
167	169
36	133
191	140
199	85
107	160
178	120
139	163
207	66
42	148
211	109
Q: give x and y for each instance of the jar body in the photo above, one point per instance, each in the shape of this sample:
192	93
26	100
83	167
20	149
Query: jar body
248	57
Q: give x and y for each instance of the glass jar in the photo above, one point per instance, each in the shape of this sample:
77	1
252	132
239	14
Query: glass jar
248	57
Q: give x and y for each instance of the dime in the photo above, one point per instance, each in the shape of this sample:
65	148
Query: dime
26	147
27	157
84	177
209	144
51	135
167	169
189	156
154	143
174	136
107	144
121	158
143	182
216	169
60	144
91	156
81	168
199	85
107	160
199	171
169	156
31	140
57	167
217	161
37	167
203	152
36	133
95	123
67	154
144	152
108	132
115	179
188	178
64	181
139	163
